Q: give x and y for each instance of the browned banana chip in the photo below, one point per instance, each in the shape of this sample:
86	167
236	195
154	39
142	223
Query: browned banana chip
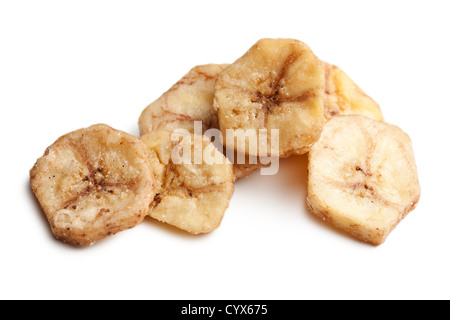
194	194
189	100
344	97
362	177
93	183
277	85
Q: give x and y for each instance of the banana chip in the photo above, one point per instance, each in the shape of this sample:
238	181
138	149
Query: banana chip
189	100
93	183
278	84
194	194
362	177
344	97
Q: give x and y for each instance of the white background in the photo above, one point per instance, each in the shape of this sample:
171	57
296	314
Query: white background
65	65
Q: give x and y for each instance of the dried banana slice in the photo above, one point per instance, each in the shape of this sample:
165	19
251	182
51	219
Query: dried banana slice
93	183
189	100
362	177
278	84
344	97
192	195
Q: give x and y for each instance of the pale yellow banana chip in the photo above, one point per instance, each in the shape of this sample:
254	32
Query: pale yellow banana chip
92	183
344	97
189	100
362	177
192	197
277	85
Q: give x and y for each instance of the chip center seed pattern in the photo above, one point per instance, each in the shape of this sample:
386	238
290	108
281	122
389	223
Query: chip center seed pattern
92	183
278	84
362	177
192	197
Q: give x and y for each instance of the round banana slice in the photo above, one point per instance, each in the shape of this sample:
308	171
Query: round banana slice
278	84
189	100
192	195
362	177
344	97
93	183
